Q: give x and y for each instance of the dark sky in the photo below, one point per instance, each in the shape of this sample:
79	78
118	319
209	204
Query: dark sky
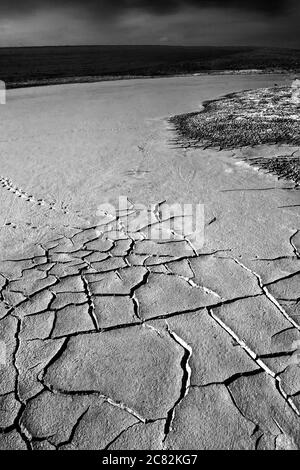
186	22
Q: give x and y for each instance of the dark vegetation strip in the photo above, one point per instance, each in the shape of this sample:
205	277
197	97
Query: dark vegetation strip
255	117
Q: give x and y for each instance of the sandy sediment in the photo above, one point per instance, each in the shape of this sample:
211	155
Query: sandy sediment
112	338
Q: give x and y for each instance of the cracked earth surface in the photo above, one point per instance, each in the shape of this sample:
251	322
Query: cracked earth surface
116	341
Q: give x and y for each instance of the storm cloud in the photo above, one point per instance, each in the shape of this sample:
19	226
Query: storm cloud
117	7
186	22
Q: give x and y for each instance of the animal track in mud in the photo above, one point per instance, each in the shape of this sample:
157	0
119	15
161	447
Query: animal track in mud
58	207
137	174
6	183
15	225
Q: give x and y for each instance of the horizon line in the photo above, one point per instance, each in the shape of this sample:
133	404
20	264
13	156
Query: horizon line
151	45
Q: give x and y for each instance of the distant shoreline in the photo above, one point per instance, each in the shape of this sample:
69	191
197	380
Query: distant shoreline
95	79
30	67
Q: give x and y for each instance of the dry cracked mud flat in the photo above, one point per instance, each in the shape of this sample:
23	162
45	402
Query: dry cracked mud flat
126	343
117	341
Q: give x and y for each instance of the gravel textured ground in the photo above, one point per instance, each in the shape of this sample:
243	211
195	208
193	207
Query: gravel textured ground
255	117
